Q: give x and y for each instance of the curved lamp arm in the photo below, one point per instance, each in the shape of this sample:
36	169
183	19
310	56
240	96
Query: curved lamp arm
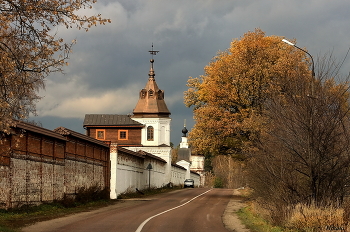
312	59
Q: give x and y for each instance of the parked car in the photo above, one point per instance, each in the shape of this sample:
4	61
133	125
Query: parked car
189	183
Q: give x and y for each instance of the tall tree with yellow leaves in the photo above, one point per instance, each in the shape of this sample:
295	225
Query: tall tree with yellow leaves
30	51
228	100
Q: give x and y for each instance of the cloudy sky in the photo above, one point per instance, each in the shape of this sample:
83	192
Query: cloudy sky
109	64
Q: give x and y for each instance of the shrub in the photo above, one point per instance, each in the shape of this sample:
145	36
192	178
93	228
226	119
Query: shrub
218	182
84	195
93	193
68	201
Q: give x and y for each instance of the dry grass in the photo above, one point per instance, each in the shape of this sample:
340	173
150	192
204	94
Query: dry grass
305	218
245	192
315	219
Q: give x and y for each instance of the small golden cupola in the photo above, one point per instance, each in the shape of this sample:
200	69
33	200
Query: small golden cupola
151	102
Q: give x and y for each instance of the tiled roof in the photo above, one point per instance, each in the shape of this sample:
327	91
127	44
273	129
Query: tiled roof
37	129
109	120
65	132
151	104
151	99
195	172
141	154
127	151
151	156
178	166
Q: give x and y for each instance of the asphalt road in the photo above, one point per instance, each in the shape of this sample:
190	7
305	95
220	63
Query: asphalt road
192	210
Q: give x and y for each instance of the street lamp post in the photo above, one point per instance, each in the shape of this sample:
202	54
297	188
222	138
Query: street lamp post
312	62
312	97
312	59
313	65
149	167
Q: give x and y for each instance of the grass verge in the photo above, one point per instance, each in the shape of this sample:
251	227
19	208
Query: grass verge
13	220
256	223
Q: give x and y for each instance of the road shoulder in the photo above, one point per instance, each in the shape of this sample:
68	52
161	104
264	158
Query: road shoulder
230	218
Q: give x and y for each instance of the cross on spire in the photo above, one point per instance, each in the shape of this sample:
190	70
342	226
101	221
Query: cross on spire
153	52
151	71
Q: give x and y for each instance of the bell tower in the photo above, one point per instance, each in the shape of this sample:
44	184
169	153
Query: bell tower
152	111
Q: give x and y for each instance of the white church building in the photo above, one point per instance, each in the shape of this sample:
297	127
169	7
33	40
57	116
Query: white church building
140	152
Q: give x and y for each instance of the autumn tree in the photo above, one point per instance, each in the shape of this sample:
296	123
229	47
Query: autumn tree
174	154
30	50
303	156
228	100
259	98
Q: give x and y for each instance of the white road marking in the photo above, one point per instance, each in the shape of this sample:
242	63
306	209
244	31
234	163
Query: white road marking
148	219
183	200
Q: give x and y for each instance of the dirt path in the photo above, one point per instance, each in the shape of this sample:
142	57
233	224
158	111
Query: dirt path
230	217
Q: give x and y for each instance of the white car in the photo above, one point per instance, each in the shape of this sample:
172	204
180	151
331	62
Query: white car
189	183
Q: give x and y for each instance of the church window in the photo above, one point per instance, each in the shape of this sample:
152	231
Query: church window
150	92
160	95
100	134
143	93
150	133
123	135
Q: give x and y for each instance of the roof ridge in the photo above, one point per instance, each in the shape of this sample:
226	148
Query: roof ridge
109	120
62	130
37	129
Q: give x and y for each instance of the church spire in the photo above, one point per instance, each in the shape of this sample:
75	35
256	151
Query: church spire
151	102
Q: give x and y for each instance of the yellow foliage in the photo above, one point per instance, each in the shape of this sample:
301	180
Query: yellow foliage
228	99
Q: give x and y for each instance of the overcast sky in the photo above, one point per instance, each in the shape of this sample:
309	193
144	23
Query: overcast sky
109	64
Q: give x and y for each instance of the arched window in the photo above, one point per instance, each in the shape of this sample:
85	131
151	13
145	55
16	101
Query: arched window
143	93
150	133
160	95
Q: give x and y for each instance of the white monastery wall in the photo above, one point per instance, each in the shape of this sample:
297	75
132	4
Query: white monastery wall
196	178
161	152
178	175
129	172
157	172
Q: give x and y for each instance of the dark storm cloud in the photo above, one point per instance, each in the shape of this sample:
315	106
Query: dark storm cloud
109	64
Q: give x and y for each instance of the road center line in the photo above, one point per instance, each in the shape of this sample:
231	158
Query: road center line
148	219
